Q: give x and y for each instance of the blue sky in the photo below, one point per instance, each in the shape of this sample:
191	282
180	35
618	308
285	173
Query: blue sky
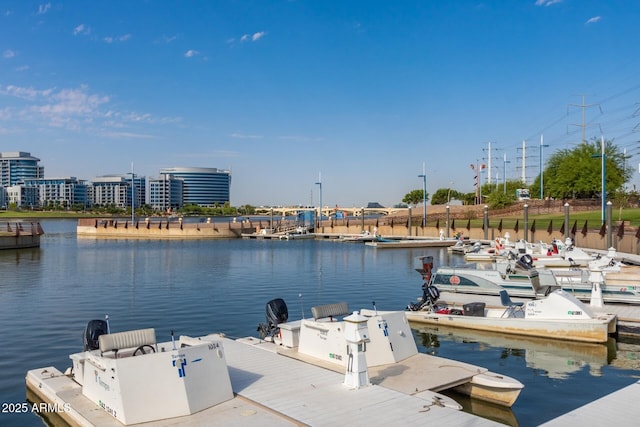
279	91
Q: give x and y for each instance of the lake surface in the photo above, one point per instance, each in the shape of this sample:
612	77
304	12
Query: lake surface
197	287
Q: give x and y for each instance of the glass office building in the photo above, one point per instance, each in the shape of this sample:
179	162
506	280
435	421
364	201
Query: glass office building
205	187
18	166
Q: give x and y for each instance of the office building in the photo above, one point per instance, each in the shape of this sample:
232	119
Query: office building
207	187
16	166
165	193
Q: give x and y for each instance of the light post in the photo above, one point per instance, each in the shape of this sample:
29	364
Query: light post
133	196
542	145
424	195
449	194
603	184
319	183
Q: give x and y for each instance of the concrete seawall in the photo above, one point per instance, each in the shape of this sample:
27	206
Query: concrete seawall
20	235
159	229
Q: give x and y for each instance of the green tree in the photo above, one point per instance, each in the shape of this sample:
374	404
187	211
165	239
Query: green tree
577	173
443	195
414	197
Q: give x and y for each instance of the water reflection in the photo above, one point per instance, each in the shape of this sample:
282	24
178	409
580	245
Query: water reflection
556	359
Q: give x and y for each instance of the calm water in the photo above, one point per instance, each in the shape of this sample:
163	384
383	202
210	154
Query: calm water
196	287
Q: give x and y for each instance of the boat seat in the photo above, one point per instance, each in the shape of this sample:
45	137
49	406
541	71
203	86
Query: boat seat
511	307
330	310
128	339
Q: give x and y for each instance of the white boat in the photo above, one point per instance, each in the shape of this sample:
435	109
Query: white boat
557	254
520	279
135	379
297	234
487	278
388	345
557	316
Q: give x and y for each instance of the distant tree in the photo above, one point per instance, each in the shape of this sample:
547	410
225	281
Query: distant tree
415	197
443	195
577	173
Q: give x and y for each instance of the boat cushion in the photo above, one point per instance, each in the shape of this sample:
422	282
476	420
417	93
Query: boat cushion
128	339
330	310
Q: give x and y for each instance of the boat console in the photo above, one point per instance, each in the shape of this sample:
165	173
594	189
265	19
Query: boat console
135	379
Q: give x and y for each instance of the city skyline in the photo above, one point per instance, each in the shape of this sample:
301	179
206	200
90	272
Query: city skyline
279	92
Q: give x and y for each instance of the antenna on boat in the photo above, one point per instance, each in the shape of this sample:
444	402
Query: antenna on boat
301	307
374	307
106	318
173	340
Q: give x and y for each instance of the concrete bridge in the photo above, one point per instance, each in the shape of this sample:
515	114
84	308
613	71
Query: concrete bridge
326	210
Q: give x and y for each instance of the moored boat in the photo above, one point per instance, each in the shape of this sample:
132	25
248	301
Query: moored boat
557	316
134	379
392	358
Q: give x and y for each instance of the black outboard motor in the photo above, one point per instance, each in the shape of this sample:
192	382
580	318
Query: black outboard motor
525	262
276	312
430	295
94	329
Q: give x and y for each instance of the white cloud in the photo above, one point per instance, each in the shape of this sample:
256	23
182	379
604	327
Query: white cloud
122	38
76	109
44	8
27	93
547	2
593	20
245	136
255	37
81	29
128	135
191	53
22	68
7	54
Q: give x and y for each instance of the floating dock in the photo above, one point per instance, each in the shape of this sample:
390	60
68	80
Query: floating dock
270	389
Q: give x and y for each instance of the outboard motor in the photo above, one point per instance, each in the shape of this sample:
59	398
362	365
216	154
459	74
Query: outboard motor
93	330
276	312
525	262
430	295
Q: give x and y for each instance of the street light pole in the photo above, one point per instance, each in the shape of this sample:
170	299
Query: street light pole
133	196
424	195
542	145
603	158
319	183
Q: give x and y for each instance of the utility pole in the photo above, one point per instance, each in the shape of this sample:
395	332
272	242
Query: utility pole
583	125
524	162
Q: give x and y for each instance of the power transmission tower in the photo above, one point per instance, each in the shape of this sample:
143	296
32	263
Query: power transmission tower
583	125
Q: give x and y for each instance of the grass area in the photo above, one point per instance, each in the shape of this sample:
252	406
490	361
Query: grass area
631	217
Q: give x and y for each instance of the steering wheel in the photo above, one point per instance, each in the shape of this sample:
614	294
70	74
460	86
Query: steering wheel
141	349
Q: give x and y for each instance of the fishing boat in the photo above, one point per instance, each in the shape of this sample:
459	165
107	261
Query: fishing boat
558	316
386	352
487	278
521	279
